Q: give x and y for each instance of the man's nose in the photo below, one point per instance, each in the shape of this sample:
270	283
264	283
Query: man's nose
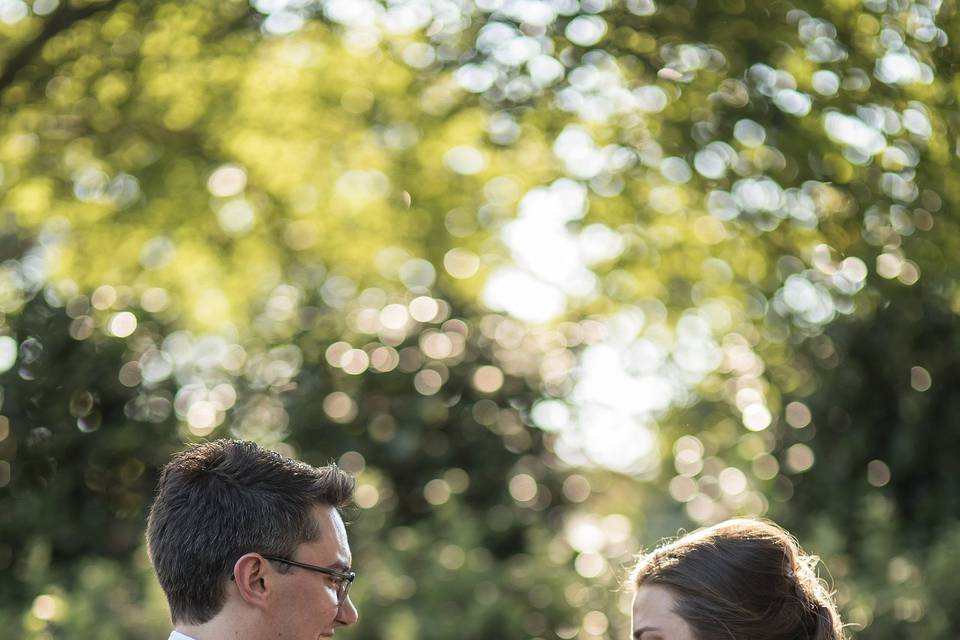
347	614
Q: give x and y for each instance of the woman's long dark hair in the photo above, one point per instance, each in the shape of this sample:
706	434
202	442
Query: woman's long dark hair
743	579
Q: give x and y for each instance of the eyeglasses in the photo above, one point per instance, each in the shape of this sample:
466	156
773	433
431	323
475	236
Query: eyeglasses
343	578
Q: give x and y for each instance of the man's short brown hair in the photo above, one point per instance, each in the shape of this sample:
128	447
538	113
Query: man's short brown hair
219	500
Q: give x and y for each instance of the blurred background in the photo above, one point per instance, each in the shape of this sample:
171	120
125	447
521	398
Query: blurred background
553	278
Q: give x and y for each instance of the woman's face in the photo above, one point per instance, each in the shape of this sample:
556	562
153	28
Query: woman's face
654	617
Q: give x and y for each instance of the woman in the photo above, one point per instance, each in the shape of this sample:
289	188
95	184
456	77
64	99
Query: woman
738	580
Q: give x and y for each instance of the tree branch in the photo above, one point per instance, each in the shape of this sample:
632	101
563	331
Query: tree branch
60	20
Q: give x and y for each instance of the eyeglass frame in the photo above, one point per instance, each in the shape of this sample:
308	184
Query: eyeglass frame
346	577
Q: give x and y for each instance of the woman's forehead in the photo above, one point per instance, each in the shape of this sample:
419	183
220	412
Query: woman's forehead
653	610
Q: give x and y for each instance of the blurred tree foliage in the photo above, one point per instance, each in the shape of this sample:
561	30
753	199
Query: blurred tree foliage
553	278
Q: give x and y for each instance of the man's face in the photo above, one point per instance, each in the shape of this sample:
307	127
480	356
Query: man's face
306	601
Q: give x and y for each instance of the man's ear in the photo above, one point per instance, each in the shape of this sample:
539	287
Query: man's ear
251	574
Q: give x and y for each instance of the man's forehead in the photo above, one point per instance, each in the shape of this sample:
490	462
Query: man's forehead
333	532
327	514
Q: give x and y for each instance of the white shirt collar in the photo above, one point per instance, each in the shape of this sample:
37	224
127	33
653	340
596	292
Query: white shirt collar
176	635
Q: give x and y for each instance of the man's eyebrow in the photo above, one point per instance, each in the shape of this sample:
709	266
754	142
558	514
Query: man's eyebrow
638	633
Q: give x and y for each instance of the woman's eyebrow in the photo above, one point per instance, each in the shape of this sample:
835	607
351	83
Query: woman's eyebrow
638	633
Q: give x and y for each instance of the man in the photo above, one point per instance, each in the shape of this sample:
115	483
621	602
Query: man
248	544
